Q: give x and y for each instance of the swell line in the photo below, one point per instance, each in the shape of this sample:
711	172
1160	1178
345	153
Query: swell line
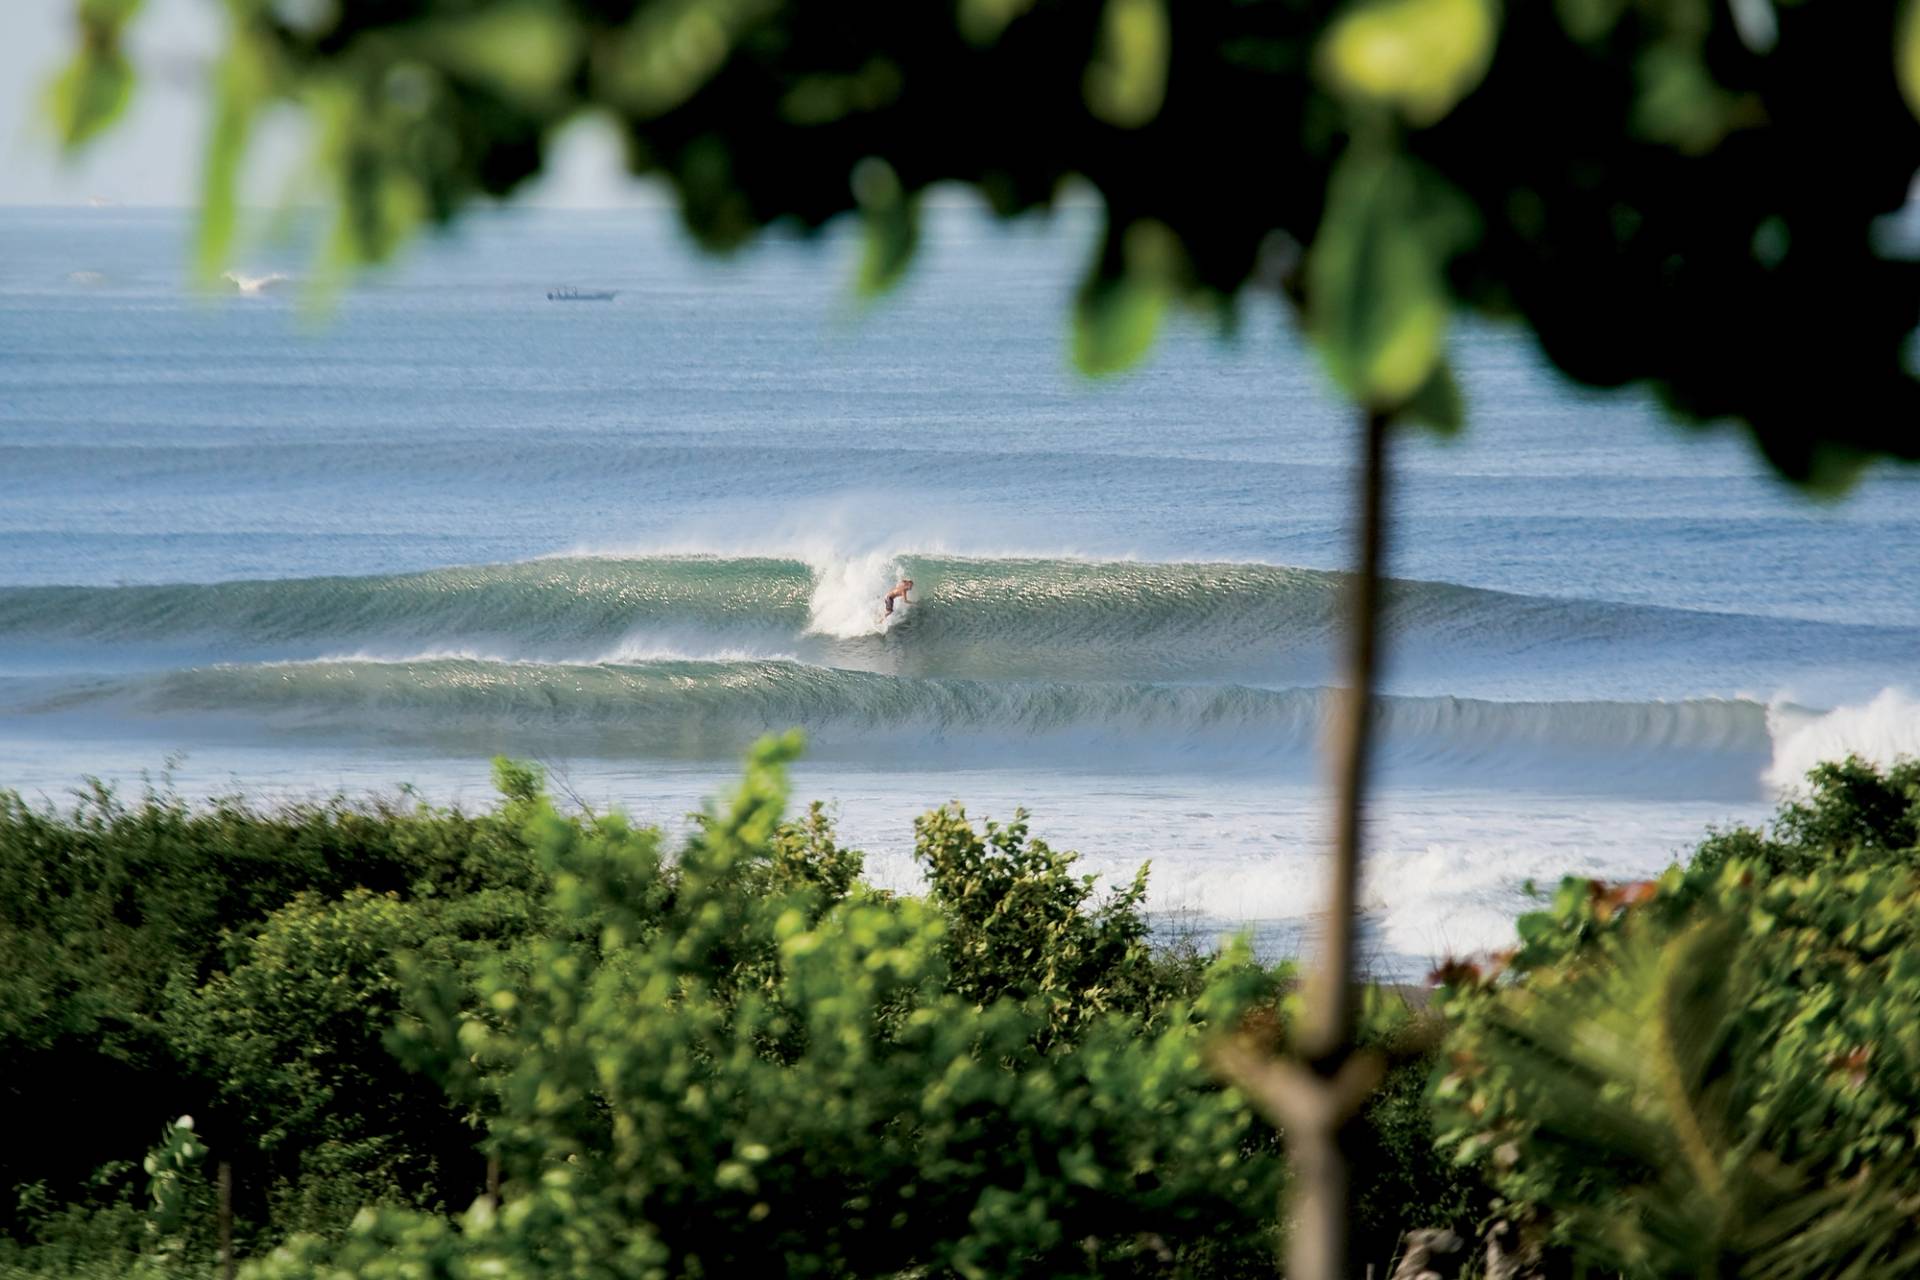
971	618
701	709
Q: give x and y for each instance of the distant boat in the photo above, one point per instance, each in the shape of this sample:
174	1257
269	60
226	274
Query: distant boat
579	295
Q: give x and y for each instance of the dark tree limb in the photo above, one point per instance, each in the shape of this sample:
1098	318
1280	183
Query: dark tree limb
224	1219
1314	1095
1326	1037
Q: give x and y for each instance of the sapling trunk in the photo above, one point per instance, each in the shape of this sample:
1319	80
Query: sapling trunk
1314	1094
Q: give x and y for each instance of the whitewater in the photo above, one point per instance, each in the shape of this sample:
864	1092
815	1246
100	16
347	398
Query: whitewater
242	552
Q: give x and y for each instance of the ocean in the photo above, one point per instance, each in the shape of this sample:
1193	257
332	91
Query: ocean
253	545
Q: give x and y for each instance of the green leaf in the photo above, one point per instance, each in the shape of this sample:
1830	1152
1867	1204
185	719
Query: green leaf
1678	102
670	50
890	219
825	99
1438	403
1906	53
89	95
1114	323
1589	21
1421	56
521	51
983	21
1126	83
239	88
1117	312
1376	276
93	89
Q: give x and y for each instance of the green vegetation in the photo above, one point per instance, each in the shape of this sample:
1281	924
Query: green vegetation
737	1058
1714	1073
741	1059
238	966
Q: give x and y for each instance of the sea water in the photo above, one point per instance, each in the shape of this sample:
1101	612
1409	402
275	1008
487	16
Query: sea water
255	542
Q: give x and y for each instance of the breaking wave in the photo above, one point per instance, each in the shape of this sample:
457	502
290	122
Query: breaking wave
1072	663
1882	732
971	618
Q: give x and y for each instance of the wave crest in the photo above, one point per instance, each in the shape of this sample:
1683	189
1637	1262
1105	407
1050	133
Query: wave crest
979	619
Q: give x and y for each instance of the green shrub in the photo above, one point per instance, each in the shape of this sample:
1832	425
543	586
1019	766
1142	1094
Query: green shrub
293	1040
705	1074
1402	1181
739	1058
1714	1073
1853	812
1021	926
109	911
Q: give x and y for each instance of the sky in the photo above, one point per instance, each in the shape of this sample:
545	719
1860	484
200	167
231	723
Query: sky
152	156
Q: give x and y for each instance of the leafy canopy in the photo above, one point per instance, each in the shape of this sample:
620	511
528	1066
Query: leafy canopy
1685	193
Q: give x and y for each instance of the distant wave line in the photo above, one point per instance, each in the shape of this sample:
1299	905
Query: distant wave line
686	705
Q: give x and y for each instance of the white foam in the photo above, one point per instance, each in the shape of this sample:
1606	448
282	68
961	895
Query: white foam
1881	731
244	283
631	651
400	657
847	591
1460	897
639	649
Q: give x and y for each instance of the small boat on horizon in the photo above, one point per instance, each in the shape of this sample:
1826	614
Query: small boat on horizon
570	294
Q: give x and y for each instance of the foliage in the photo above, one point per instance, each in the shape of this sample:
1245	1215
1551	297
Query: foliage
1853	813
718	1070
168	1168
1663	193
742	1058
1714	1073
136	938
1020	925
106	1240
737	1057
1401	1180
293	1040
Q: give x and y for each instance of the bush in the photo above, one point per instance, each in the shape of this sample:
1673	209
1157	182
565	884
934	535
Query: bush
1402	1181
736	1059
1853	813
701	1075
293	1042
111	915
1021	926
1717	1072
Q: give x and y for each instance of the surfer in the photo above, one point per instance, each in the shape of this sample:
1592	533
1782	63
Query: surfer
898	593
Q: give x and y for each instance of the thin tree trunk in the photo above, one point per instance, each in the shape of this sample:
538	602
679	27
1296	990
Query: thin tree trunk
1315	1094
225	1219
1327	1032
1326	1037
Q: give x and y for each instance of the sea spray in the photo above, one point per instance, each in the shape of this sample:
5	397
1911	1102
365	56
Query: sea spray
847	591
1881	731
